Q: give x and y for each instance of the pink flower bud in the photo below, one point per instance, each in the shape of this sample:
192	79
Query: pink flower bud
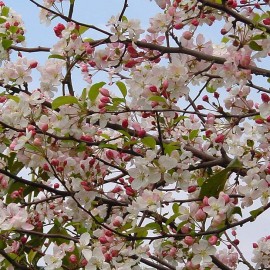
141	133
213	240
33	64
200	215
102	240
105	100
255	245
187	35
73	258
226	198
37	142
118	221
266	21
125	123
130	191
195	22
153	88
205	201
44	127
104	92
58	29
220	138
236	242
191	189
110	154
205	98
165	85
189	240
265	98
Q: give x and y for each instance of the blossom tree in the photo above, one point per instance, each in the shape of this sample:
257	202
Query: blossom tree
150	165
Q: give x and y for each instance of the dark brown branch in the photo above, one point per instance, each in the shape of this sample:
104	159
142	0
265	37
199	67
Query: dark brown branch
219	264
13	262
34	184
48	235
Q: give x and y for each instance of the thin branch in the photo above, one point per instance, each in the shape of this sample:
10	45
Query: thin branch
67	19
235	14
125	6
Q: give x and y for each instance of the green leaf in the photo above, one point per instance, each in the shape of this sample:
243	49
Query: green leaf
20	38
149	141
5	11
122	87
259	37
125	133
158	99
255	46
107	145
6	43
15	98
14	165
256	212
33	148
83	29
116	101
31	255
124	19
200	181
153	226
215	184
250	143
13	29
2	20
84	94
59	229
57	56
172	218
64	100
256	18
225	39
175	208
237	210
210	89
94	90
170	147
193	134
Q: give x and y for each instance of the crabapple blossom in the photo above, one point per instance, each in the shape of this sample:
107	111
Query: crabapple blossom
202	252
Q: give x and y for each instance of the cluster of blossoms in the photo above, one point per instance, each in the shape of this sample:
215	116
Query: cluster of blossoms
261	253
153	165
11	29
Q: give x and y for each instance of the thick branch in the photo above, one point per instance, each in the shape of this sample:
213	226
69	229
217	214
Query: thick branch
34	184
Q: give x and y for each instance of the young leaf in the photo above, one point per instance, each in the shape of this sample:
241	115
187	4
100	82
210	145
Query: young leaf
122	87
256	212
215	184
64	100
94	90
149	141
83	29
255	46
158	99
6	43
57	56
